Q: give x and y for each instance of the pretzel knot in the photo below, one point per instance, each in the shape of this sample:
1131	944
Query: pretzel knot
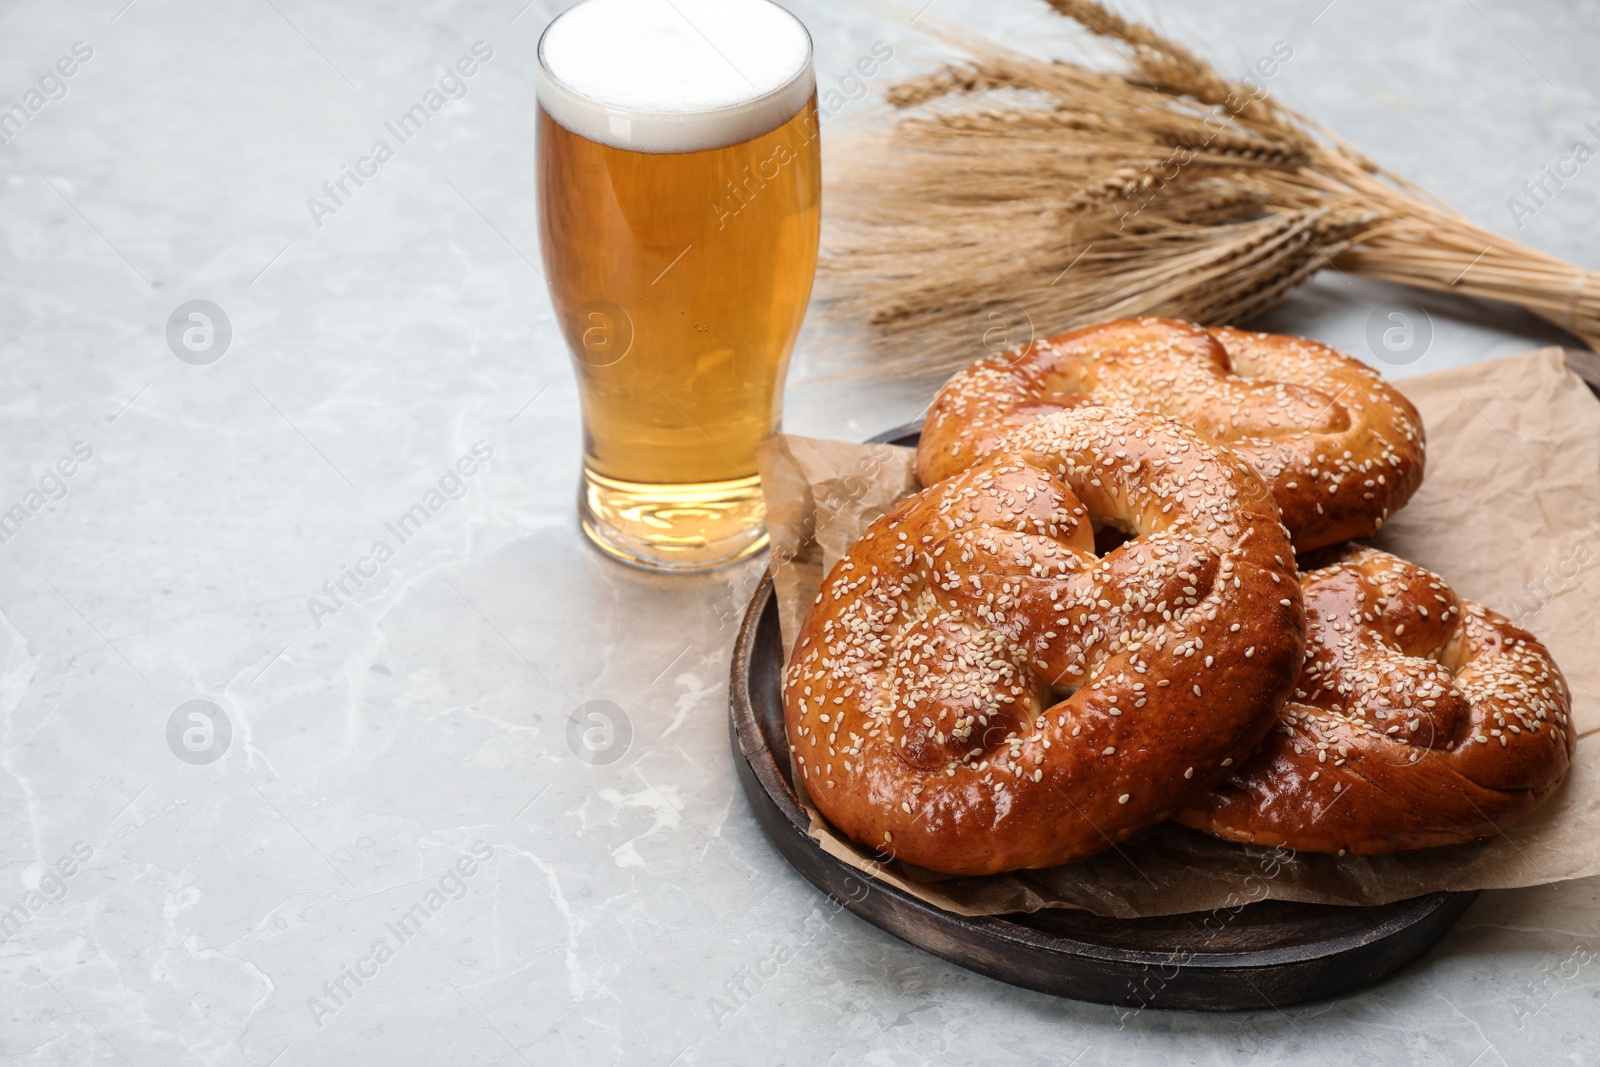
1340	449
976	689
1419	719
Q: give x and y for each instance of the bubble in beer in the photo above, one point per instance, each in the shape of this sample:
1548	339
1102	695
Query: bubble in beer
674	75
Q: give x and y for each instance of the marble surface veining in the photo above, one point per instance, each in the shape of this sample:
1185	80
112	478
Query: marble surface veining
398	856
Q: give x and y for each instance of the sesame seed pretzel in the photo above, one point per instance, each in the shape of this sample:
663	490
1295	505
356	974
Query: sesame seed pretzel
1341	449
1419	719
976	690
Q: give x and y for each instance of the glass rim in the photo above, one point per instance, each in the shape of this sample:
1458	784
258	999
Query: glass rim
804	71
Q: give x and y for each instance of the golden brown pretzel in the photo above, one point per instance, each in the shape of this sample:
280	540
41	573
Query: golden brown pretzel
926	703
1340	448
1420	719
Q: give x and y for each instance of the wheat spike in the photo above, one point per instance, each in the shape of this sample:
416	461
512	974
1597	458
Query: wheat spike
1063	195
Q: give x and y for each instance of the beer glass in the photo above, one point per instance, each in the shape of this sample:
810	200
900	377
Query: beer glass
679	207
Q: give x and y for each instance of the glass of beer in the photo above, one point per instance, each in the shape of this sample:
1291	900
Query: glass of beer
679	207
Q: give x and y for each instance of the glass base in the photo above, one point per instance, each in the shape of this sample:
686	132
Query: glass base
684	527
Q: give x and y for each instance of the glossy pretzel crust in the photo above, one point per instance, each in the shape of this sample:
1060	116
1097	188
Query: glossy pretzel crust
1420	719
1341	449
976	690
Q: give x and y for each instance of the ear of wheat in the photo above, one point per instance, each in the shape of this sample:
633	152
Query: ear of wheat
1078	195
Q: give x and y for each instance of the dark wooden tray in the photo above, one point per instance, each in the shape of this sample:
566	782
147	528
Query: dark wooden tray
1269	954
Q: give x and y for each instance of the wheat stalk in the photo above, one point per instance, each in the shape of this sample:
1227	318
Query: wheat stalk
1053	194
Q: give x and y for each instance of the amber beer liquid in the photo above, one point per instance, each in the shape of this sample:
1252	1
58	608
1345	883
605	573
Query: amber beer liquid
679	278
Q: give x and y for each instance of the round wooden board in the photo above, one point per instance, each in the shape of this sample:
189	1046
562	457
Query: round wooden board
1269	954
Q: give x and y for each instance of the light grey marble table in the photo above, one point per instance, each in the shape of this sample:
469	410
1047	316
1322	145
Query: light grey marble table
399	766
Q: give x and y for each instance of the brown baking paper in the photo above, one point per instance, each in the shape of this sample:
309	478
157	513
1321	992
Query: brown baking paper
1509	513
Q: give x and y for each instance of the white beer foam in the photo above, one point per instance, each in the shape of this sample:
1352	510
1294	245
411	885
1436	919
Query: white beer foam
674	75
